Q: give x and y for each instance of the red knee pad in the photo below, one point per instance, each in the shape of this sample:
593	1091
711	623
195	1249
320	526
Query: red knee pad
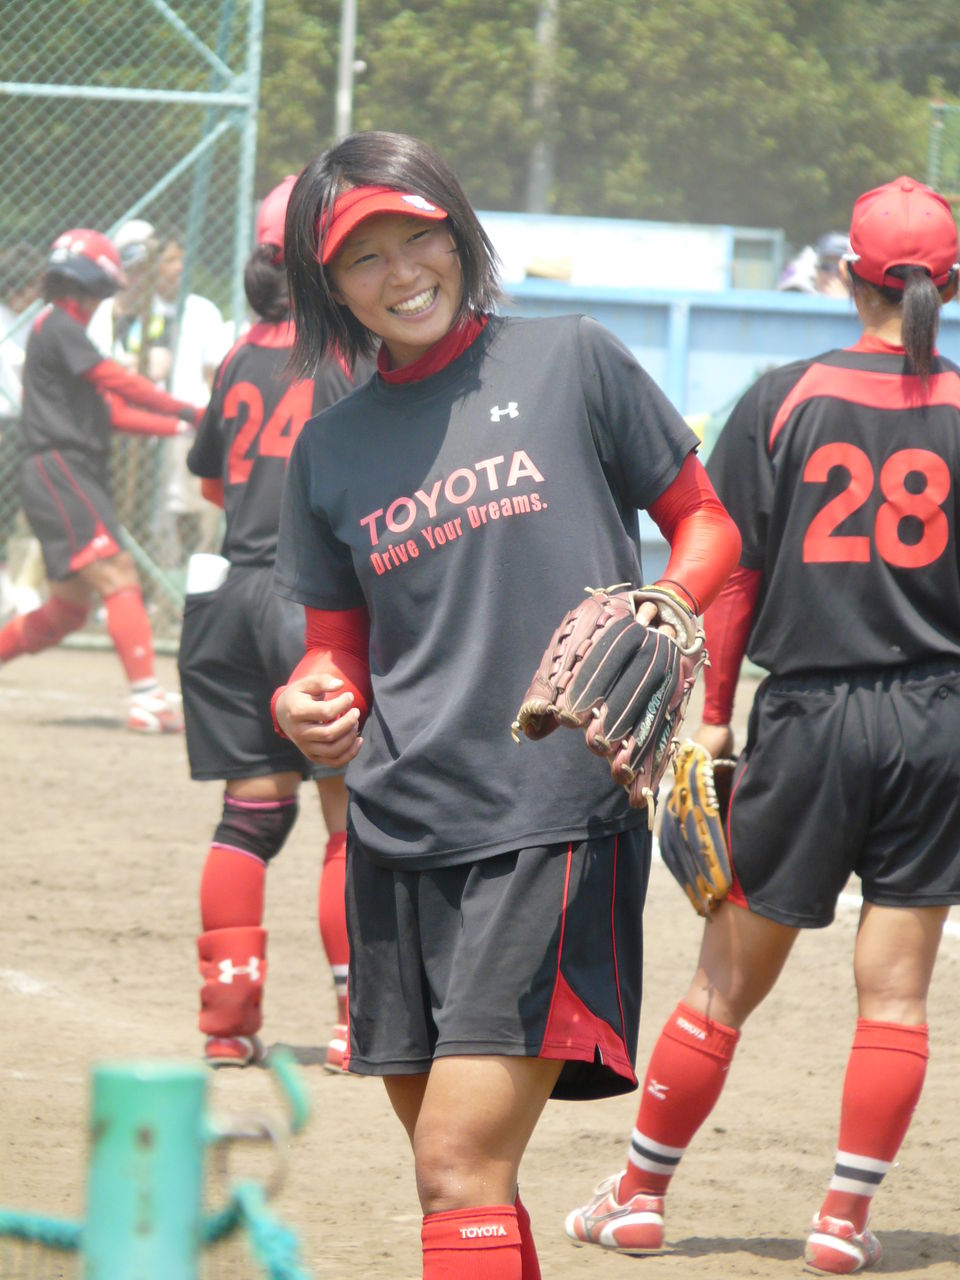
233	966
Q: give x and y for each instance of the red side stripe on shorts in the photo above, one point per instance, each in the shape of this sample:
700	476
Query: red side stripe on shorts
573	1030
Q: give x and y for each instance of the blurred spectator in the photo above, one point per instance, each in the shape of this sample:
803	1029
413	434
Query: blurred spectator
816	268
830	250
21	272
139	328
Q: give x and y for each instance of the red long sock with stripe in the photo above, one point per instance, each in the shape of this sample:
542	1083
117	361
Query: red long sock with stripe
129	628
686	1074
231	889
472	1244
332	916
40	628
883	1082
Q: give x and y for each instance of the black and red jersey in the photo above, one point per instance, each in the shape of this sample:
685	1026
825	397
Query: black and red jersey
842	475
62	409
254	416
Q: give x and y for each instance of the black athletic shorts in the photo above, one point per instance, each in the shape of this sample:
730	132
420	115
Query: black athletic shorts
238	644
70	512
849	772
535	953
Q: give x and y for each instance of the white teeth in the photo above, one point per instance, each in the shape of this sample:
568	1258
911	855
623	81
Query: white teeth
414	305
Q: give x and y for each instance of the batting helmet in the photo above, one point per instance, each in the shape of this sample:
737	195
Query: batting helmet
89	260
272	215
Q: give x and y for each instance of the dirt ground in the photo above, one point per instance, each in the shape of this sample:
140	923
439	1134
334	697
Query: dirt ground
104	836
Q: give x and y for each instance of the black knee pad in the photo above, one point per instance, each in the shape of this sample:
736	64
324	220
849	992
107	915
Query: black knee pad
259	827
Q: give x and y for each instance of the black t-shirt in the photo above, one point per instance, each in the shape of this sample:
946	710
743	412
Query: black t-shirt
61	409
843	480
254	416
468	512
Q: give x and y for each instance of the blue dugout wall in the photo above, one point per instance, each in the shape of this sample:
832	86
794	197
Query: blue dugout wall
705	349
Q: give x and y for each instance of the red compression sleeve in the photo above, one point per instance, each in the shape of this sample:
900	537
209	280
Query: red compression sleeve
212	490
337	645
727	626
704	541
108	375
141	422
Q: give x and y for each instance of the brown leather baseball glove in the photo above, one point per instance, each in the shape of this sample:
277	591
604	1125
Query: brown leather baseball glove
624	683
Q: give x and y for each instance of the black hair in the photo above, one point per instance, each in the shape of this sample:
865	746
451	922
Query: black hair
384	160
265	284
919	301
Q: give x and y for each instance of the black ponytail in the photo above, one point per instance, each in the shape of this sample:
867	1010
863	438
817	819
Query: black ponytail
919	302
265	284
921	319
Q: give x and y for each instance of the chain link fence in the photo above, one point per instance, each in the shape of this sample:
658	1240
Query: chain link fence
112	113
943	153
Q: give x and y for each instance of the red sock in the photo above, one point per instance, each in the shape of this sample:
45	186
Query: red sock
881	1088
529	1262
472	1244
41	628
687	1071
231	889
129	628
332	915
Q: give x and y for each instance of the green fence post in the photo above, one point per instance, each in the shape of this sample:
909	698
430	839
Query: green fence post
148	1134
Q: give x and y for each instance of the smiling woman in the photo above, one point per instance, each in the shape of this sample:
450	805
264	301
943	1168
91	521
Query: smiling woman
431	522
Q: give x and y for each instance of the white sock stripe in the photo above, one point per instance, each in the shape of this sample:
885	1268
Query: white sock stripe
642	1142
866	1164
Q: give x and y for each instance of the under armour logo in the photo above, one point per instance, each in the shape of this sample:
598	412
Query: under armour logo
511	411
658	1090
229	970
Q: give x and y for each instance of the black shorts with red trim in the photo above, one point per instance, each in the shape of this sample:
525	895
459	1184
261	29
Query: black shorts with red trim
238	644
70	512
533	953
843	773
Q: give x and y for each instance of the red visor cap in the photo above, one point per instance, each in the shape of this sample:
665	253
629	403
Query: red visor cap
360	203
902	224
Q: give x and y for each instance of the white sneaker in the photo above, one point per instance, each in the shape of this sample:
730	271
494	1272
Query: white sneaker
156	712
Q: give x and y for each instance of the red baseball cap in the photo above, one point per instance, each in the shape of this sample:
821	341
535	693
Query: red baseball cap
902	224
359	203
272	215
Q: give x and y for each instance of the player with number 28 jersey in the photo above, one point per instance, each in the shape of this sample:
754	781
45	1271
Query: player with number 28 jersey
842	474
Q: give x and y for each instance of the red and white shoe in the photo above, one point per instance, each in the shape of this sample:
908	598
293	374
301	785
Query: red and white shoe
634	1227
156	712
336	1048
233	1051
835	1246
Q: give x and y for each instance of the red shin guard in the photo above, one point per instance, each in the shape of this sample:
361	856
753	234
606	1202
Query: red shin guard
129	628
472	1244
685	1076
233	966
41	628
231	889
